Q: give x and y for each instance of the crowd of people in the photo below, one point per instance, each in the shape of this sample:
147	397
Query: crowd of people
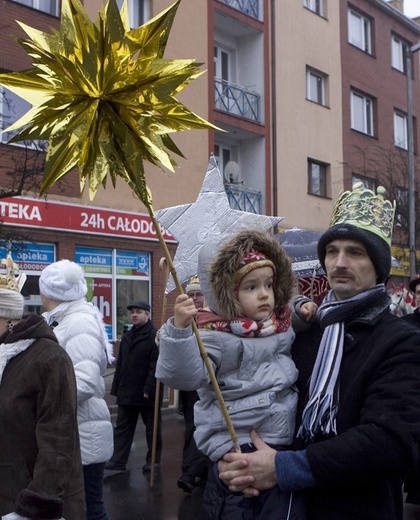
324	399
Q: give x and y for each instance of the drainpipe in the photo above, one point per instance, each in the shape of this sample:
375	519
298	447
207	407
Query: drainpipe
273	106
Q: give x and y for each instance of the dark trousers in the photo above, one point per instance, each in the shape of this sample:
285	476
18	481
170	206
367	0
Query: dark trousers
194	463
93	475
125	428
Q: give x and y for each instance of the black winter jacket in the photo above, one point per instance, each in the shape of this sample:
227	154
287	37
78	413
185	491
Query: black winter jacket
359	472
136	366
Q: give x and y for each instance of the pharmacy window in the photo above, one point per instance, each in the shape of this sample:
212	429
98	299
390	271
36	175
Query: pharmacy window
360	31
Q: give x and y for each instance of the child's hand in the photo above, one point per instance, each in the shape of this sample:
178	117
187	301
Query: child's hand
308	310
184	311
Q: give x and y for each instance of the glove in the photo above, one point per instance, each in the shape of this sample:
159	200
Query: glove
14	516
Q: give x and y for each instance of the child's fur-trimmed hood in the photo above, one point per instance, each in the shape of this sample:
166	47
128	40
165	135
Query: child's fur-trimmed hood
218	262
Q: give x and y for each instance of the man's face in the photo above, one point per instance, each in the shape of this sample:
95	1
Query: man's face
197	297
349	268
138	317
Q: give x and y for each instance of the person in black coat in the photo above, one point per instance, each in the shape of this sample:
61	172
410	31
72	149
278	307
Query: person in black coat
412	482
359	431
134	385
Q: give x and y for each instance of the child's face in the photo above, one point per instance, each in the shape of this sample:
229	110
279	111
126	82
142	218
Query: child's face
255	293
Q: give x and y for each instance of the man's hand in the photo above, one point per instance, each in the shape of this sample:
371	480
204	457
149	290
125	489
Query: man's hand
249	473
184	311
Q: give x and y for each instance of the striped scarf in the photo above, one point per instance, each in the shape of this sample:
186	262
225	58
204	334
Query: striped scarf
319	415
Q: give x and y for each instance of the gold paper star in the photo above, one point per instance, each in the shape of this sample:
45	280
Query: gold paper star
103	96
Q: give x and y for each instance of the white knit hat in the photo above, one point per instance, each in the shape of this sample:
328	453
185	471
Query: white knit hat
11	304
63	281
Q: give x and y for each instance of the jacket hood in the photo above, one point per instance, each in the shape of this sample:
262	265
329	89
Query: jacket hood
218	262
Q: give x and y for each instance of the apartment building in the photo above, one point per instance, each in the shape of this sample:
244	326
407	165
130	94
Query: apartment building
306	94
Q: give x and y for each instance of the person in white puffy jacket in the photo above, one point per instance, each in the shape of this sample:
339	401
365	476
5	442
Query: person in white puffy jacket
80	330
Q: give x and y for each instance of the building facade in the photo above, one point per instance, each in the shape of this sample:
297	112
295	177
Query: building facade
309	97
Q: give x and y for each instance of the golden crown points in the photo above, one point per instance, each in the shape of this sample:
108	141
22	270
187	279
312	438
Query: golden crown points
10	280
365	209
194	280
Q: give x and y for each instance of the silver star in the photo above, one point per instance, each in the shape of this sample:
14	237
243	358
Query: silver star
210	215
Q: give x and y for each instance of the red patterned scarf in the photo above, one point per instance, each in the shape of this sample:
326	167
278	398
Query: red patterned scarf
279	321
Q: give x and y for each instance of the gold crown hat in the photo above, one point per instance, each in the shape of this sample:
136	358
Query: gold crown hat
11	301
10	280
193	284
365	216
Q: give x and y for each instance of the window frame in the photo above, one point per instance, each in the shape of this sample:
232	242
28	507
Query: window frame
316	6
363	40
399	60
138	11
16	100
37	5
367	182
320	91
323	176
368	126
398	142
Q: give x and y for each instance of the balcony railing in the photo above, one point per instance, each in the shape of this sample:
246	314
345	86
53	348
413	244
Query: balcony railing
249	7
243	199
236	100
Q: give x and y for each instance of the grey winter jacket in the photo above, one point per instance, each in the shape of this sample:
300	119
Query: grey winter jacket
256	377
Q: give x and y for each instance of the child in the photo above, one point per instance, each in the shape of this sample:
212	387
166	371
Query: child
247	283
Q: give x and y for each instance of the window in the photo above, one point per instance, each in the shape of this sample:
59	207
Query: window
361	112
138	11
12	108
400	130
315	86
46	6
317	178
359	31
399	53
401	208
315	5
222	64
366	182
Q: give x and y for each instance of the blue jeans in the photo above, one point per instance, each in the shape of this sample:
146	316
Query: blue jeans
93	476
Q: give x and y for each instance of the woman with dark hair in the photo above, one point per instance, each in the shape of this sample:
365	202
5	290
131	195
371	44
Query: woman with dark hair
40	465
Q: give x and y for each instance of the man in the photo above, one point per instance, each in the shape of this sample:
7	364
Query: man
134	385
414	318
194	463
360	426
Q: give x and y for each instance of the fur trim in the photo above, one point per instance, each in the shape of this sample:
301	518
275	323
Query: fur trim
218	284
39	506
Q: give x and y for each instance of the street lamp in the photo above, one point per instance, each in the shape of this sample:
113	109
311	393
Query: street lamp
411	173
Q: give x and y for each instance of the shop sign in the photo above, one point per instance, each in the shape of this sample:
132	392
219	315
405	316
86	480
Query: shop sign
132	264
94	260
79	218
31	257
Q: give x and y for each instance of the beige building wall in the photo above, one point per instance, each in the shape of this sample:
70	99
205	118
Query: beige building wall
304	128
187	41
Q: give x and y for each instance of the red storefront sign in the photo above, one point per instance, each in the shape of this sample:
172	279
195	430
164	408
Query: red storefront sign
20	211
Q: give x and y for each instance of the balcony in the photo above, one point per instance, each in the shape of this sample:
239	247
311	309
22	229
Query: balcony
243	199
249	7
236	100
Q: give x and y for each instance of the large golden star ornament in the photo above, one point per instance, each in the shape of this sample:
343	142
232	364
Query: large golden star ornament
103	96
